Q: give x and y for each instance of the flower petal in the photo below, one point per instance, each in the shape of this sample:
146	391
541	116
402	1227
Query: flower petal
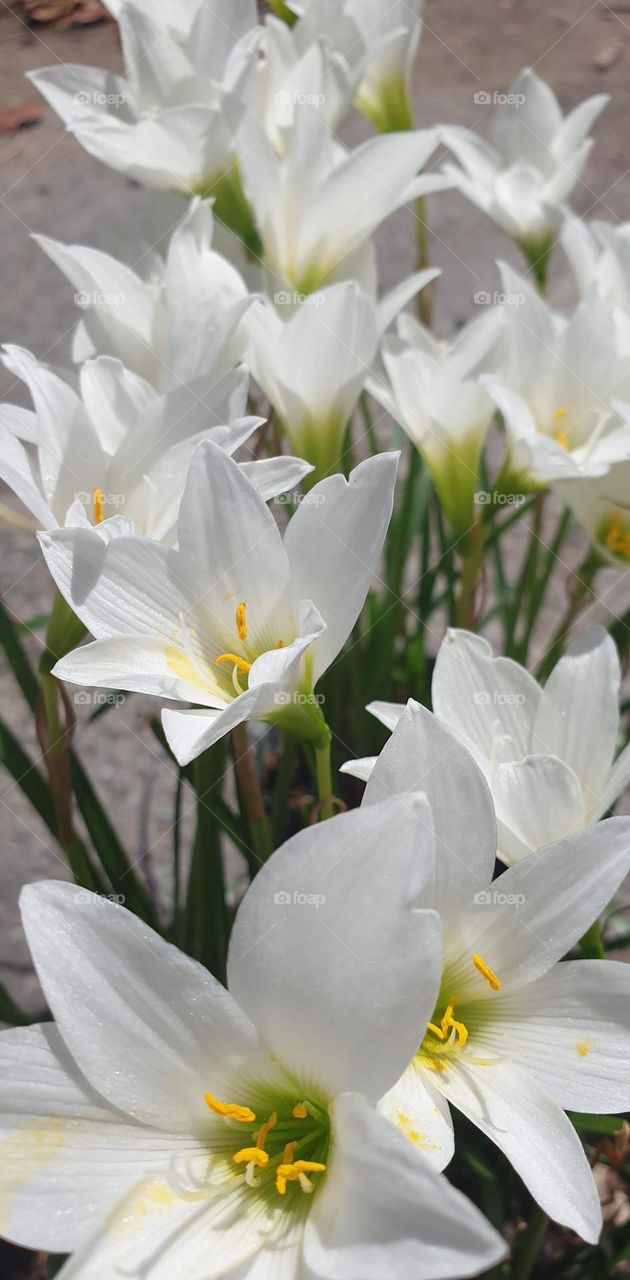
150	1028
67	1156
422	1114
385	1214
344	523
325	946
571	1029
507	1104
142	664
538	800
422	754
188	733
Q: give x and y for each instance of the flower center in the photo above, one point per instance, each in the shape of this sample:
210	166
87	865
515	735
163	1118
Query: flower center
616	536
447	1035
240	665
559	435
97	505
284	1151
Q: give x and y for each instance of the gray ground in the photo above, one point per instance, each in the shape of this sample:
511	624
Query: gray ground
47	183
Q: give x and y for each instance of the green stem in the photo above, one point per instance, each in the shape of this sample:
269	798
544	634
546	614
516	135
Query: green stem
530	1244
581	588
425	297
251	796
324	778
591	944
284	774
539	588
527	575
472	560
205	926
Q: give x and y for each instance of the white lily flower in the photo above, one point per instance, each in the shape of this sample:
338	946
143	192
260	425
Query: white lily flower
556	388
237	620
602	506
108	444
526	170
599	256
515	1037
175	319
547	778
316	207
435	394
336	330
164	1126
170	122
305	64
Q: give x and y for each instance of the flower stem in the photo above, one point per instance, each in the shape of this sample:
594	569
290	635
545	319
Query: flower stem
472	560
425	297
324	778
205	920
251	796
581	587
531	1243
591	944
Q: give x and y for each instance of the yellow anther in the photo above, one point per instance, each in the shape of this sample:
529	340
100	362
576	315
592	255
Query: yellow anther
239	663
241	621
295	1173
97	501
299	1111
562	438
560	413
308	1166
263	1132
229	1110
449	1021
487	973
251	1155
617	540
437	1031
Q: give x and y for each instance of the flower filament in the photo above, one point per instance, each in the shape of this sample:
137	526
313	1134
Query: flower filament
240	665
285	1149
98	505
446	1034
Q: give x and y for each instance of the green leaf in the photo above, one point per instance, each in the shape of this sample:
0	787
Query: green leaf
26	776
17	659
9	1011
602	1126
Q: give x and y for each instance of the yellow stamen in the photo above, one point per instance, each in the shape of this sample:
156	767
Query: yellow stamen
487	973
251	1155
617	540
97	500
229	1110
449	1021
562	438
560	413
295	1173
287	1154
241	621
239	663
299	1111
263	1132
437	1031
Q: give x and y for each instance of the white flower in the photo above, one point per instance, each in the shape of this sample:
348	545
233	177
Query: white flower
602	506
170	122
163	1126
515	1037
599	256
237	620
316	207
174	318
108	444
334	332
548	778
556	388
436	396
526	170
305	65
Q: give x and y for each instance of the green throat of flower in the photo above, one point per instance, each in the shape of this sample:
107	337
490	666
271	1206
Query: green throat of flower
453	1019
282	1155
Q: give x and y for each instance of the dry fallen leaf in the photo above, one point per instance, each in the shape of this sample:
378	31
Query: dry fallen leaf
65	13
14	118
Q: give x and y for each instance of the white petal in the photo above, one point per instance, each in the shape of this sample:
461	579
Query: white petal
18	472
142	664
344	523
360	768
273	476
67	1157
582	690
482	699
507	1104
188	733
571	1029
617	781
533	914
150	1028
538	800
421	754
422	1114
388	713
325	947
385	1214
